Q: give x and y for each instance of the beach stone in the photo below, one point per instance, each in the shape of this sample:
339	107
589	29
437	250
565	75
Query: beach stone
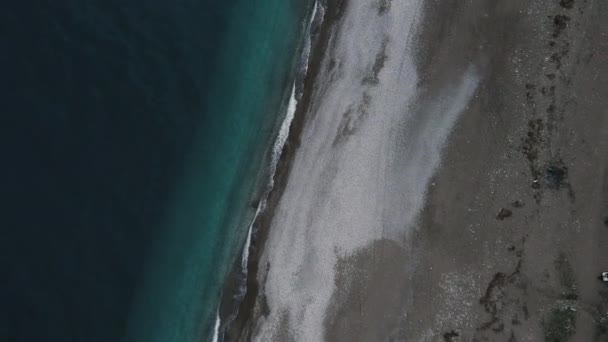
503	214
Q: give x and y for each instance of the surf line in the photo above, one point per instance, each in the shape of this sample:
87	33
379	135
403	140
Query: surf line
277	149
216	328
276	154
283	133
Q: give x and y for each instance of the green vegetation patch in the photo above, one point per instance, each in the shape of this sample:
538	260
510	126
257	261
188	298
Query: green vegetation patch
601	316
601	326
560	324
566	277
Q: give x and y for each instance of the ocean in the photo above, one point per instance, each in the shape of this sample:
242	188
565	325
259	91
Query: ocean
135	138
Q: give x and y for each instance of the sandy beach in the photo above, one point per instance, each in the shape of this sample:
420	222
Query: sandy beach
444	179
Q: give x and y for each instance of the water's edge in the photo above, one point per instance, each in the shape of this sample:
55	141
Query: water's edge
235	288
237	325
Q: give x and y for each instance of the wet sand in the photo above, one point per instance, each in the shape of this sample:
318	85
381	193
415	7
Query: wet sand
485	224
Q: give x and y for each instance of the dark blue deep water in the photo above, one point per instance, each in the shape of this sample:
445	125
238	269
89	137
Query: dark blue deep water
128	132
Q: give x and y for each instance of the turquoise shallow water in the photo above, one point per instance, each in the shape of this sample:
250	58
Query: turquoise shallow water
205	226
132	135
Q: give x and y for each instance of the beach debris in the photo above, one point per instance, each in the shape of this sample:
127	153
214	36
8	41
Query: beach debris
499	328
517	204
535	184
503	214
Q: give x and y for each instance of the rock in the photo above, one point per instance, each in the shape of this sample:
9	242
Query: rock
555	176
450	336
568	4
503	214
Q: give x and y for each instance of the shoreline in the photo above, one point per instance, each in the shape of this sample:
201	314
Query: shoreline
234	318
220	175
528	139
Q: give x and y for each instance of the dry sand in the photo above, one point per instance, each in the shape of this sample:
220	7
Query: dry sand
447	181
